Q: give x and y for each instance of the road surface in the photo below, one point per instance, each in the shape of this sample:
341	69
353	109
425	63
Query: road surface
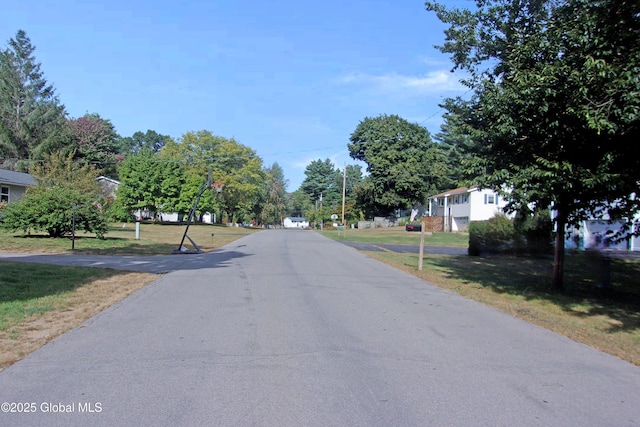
289	328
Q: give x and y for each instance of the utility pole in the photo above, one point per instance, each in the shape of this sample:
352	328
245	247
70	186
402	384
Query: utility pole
321	219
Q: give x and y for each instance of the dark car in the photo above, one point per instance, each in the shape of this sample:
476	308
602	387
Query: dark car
413	227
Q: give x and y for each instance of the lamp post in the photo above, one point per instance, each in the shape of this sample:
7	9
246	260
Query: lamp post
73	226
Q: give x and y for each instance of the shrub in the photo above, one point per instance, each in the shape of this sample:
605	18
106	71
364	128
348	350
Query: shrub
495	235
535	232
50	209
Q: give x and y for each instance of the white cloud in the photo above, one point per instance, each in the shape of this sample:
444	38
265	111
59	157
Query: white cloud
433	82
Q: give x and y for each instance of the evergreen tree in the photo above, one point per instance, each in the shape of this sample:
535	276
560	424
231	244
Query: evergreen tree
31	117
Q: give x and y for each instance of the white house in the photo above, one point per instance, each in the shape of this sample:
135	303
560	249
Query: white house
462	205
14	184
110	185
597	234
295	222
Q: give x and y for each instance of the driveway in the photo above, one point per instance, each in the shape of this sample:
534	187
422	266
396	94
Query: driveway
289	328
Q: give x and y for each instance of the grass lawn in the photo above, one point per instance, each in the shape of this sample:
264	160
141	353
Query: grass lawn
520	286
398	235
155	239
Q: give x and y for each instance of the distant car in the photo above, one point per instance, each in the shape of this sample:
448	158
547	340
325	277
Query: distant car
413	227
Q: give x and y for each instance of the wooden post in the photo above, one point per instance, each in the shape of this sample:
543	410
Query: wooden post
422	231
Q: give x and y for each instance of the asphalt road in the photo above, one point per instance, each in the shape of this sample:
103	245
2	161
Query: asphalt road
289	328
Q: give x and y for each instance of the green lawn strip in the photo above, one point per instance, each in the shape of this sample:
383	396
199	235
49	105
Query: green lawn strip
31	289
399	236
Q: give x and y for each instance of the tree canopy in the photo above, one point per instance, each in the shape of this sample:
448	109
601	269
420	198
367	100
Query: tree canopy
31	117
556	109
139	141
322	179
274	203
404	165
94	140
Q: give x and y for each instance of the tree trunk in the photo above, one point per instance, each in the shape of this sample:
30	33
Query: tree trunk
558	259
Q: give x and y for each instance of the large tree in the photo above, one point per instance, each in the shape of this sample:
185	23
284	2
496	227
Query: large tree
31	117
149	140
323	182
232	164
556	111
405	167
239	168
274	203
148	181
456	148
94	140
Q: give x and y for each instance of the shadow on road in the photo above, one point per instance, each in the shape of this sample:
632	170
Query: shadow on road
158	264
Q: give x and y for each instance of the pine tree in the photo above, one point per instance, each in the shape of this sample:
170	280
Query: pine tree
31	117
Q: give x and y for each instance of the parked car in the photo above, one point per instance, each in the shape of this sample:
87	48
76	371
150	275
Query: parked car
413	227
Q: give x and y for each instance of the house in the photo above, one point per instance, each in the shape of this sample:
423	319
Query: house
14	184
109	185
295	222
461	205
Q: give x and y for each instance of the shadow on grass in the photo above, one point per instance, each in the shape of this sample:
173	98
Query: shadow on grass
530	278
21	282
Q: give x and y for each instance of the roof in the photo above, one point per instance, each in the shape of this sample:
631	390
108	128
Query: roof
16	178
111	180
297	219
460	190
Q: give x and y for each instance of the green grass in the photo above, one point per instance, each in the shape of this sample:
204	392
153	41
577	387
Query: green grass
398	235
155	239
32	289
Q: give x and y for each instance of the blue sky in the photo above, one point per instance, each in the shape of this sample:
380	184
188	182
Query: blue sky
290	79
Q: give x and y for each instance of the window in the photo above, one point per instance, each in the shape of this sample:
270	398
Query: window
4	194
465	198
489	199
440	202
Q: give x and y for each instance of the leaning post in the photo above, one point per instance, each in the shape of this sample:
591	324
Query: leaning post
422	230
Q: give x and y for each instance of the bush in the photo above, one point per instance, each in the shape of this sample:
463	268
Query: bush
493	236
528	234
50	209
535	231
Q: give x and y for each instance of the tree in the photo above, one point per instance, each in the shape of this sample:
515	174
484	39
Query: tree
64	188
322	178
239	168
274	205
31	117
556	109
95	141
148	181
299	203
405	167
234	165
150	140
455	146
